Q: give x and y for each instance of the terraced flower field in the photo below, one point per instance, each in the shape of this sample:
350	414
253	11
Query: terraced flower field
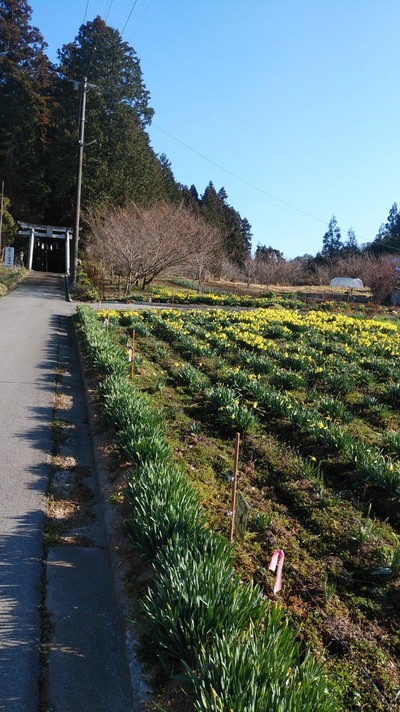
315	398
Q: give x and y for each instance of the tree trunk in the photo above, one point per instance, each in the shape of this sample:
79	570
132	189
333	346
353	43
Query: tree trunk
128	285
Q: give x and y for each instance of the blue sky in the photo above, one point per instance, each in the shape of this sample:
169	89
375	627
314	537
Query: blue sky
291	105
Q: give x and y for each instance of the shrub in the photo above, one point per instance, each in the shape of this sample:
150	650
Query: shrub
106	357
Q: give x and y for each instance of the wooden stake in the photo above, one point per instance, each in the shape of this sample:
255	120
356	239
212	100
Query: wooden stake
234	486
133	355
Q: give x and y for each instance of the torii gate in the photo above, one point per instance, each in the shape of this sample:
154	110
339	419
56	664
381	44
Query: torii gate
47	231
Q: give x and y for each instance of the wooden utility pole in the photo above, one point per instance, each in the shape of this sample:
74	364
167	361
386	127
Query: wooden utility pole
78	187
1	214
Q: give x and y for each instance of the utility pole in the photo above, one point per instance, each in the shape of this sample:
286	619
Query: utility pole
81	146
1	215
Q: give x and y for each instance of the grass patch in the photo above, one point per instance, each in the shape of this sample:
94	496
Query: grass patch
9	278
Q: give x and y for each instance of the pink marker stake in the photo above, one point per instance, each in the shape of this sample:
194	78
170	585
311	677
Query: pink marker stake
276	564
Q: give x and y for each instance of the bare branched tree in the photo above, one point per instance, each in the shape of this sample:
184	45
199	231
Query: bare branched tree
378	272
207	257
230	271
139	244
250	270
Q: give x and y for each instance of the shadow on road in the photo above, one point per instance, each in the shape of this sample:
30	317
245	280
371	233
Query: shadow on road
41	285
20	595
25	449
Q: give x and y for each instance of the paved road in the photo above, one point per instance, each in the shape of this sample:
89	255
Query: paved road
29	319
87	665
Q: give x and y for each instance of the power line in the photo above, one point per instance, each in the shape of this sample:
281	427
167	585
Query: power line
387	247
108	11
85	15
139	22
129	17
242	180
234	175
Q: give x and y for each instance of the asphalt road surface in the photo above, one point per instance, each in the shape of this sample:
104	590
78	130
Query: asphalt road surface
29	322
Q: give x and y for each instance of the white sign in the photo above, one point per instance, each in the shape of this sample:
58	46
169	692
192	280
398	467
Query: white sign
9	257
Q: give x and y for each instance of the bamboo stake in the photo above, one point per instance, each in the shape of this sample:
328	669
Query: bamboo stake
234	486
132	354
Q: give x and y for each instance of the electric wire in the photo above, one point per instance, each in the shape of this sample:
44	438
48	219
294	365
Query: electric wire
214	163
129	17
242	180
139	22
284	203
83	22
86	9
108	10
257	188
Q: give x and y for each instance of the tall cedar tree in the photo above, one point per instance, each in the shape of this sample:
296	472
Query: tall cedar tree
39	108
120	166
172	188
190	198
332	240
236	231
25	89
388	236
351	245
268	254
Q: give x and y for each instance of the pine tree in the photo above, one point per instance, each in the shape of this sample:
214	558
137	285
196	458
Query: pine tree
236	231
388	236
351	245
235	244
25	80
393	223
332	240
212	207
190	198
8	230
245	229
172	190
111	65
268	254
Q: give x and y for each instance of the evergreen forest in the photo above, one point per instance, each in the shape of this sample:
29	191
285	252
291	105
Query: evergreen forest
40	109
39	115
